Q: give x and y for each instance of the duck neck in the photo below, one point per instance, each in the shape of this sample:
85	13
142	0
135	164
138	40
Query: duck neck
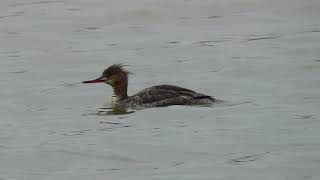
120	91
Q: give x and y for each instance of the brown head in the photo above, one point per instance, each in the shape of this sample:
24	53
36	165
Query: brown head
117	77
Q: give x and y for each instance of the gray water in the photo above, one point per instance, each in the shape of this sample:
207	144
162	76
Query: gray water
262	56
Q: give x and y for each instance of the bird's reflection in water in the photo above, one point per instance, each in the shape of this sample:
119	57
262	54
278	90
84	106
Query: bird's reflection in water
112	109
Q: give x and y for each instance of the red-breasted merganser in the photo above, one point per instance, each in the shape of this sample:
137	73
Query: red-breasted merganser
155	96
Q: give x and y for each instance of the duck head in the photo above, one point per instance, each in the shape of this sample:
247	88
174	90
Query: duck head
117	77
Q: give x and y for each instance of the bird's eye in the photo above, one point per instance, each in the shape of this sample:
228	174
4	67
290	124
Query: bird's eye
105	75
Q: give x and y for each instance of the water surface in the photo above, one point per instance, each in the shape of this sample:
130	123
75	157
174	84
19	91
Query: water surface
262	52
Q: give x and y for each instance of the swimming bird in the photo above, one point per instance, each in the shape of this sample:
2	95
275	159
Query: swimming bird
156	96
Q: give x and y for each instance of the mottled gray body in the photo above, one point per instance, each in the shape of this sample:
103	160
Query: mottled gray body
165	95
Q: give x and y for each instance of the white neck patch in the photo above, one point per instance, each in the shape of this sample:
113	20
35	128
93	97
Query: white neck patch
115	98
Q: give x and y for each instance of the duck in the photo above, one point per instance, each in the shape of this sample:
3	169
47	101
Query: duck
155	96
